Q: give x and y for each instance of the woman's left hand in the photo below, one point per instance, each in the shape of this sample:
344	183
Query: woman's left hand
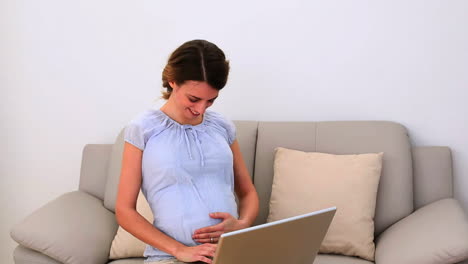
211	234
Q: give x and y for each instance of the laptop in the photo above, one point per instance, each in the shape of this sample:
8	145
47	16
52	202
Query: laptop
294	240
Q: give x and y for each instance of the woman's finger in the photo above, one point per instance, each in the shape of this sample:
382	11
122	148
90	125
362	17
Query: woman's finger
221	215
210	229
208	235
211	240
204	259
207	253
210	246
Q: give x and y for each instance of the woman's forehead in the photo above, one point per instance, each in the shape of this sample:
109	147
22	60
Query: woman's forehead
200	89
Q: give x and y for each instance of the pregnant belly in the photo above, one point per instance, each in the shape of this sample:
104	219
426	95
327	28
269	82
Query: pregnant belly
182	229
179	216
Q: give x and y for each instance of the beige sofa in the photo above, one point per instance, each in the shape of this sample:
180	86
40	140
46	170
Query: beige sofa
416	218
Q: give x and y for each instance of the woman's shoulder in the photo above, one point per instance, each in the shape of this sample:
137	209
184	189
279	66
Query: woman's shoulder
145	125
219	121
213	117
150	117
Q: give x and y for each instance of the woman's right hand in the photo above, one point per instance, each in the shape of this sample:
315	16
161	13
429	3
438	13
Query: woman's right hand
203	252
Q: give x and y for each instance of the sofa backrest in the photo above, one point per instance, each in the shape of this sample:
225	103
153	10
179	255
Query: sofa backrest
398	195
395	193
432	172
246	135
94	168
113	172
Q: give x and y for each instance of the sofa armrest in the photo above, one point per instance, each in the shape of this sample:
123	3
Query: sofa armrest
75	228
435	233
22	255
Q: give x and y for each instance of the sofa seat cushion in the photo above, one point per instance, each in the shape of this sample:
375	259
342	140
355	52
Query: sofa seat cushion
128	261
337	259
307	181
320	259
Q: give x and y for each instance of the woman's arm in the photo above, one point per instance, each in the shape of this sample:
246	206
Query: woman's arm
245	190
129	219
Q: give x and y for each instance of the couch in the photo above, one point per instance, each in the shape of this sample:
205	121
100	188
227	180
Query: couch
416	215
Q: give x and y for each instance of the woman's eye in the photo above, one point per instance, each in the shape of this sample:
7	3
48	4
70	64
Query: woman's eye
193	100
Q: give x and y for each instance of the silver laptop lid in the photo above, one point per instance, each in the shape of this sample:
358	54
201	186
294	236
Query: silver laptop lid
294	240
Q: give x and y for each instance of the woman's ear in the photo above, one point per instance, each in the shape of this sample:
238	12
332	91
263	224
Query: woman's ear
174	85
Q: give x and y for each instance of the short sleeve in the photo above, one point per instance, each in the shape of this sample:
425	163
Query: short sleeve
144	126
134	134
231	131
223	124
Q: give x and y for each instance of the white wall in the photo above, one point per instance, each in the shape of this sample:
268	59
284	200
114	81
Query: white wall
75	72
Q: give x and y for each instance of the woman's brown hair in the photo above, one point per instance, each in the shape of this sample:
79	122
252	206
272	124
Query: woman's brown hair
196	60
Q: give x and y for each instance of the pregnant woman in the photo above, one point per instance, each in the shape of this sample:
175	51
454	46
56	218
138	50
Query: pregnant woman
187	162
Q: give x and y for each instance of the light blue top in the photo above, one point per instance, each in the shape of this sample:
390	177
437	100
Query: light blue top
187	172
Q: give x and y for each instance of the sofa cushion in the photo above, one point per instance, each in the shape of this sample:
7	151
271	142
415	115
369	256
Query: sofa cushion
307	181
125	245
294	135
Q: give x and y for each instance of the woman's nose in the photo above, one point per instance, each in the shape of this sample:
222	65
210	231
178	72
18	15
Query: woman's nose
201	108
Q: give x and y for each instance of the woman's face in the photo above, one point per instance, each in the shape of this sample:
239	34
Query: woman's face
192	98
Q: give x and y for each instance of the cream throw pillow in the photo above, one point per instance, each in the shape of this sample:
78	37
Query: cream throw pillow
125	245
304	182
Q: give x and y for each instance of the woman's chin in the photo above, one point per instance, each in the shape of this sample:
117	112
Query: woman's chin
191	117
192	114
